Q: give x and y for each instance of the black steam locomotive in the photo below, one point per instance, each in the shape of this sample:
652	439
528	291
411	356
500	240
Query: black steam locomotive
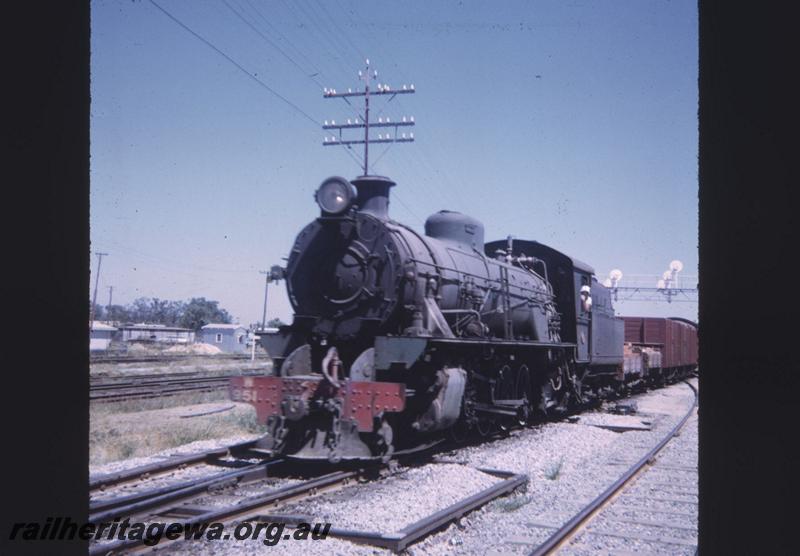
398	336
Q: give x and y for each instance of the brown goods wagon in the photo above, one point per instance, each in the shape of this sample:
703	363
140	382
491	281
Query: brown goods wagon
633	329
666	334
654	330
676	339
689	341
679	337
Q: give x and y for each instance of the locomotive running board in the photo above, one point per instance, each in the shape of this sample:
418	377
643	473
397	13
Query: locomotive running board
501	342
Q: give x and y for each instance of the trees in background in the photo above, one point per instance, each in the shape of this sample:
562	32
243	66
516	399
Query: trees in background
193	314
200	311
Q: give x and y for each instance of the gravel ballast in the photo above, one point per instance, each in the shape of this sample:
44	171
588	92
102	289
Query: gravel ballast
568	464
391	504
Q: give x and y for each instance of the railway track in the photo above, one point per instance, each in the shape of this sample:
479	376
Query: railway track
255	508
103	482
103	358
153	386
164	503
179	498
628	502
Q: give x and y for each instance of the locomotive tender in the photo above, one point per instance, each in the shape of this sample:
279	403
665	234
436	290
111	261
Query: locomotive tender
398	336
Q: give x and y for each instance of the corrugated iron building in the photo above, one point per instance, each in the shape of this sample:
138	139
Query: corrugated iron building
230	338
156	333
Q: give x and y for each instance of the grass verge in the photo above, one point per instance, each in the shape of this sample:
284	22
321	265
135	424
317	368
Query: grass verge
117	435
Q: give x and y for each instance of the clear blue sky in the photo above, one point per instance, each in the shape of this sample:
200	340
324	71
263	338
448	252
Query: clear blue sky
573	123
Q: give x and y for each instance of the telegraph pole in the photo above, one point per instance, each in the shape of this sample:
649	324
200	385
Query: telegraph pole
96	282
266	290
110	293
366	117
381	89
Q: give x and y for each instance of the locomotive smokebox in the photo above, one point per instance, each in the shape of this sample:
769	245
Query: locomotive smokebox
373	195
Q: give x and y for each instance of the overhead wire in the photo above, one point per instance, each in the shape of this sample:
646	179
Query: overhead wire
277	31
333	38
365	34
381	110
270	42
245	71
290	6
342	33
235	63
424	157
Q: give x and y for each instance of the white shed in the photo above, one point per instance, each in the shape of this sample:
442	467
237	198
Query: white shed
100	336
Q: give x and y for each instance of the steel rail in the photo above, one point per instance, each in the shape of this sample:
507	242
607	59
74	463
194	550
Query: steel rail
168	465
134	504
101	379
167	387
243	507
169	358
155	389
578	520
162	382
155	392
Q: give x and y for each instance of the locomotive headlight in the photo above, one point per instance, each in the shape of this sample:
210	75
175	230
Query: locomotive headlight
335	195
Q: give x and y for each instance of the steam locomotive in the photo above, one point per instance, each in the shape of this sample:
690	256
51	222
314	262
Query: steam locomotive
399	337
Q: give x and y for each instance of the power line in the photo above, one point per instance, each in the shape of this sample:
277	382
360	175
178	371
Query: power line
341	33
364	33
274	29
291	9
269	41
405	206
235	63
